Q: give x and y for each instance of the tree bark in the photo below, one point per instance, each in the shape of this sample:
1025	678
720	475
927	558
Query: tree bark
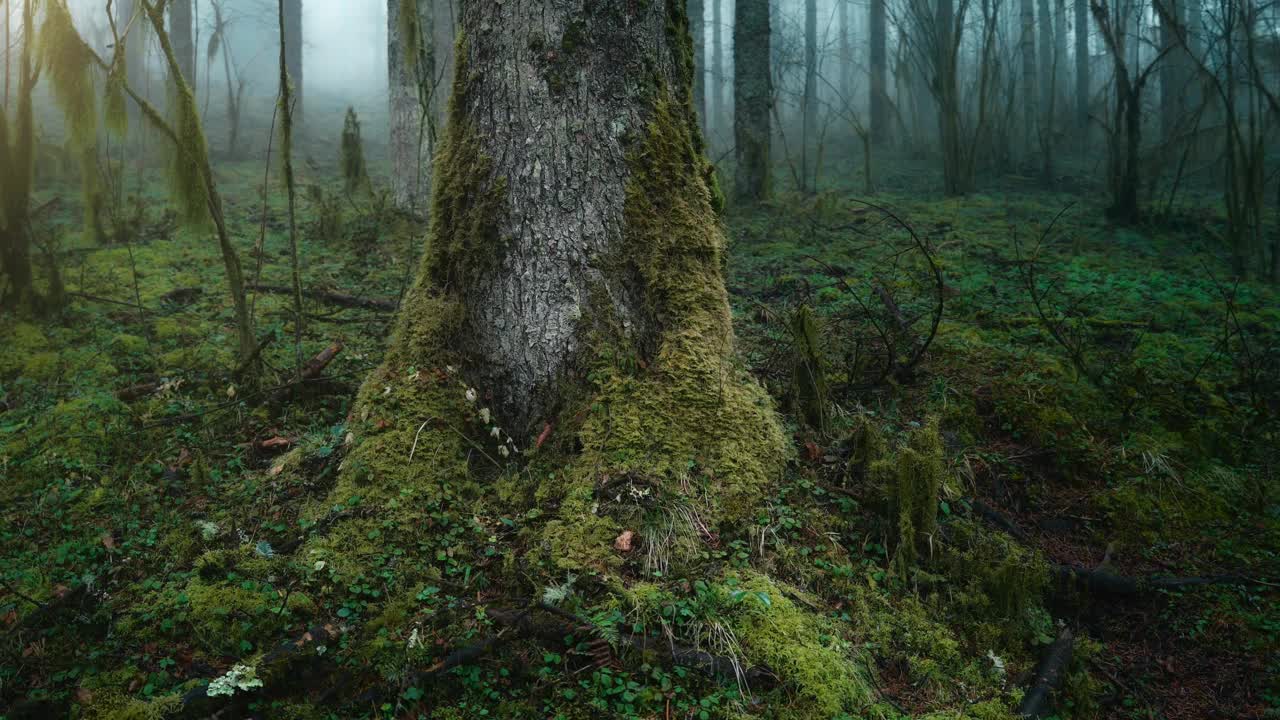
530	224
444	35
1045	27
879	100
409	72
752	99
17	143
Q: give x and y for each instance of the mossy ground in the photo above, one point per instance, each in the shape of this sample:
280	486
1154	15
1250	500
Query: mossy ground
860	579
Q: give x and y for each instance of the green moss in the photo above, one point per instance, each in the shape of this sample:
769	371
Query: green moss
22	341
911	479
808	652
42	367
110	705
808	377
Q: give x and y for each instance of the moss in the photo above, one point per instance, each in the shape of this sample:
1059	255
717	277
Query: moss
911	479
807	652
109	705
808	378
42	367
69	63
22	340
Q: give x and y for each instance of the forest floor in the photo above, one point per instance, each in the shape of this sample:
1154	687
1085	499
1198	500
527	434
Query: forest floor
1107	399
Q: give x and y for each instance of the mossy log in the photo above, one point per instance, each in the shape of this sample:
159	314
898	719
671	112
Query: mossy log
1049	676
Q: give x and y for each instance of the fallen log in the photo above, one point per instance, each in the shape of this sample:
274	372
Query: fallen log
333	298
317	364
1050	673
1105	582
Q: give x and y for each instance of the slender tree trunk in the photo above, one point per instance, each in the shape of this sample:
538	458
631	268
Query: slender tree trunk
1060	54
752	99
1171	84
879	98
1045	27
716	120
845	66
286	154
954	177
698	29
408	73
293	38
809	133
1030	96
17	146
444	34
1083	91
180	33
8	55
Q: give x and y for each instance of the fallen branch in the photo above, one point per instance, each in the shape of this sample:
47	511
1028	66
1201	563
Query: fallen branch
1050	673
995	517
317	364
1104	582
333	298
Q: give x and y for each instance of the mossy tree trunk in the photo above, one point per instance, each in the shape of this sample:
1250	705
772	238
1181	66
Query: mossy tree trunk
574	280
17	142
752	99
409	72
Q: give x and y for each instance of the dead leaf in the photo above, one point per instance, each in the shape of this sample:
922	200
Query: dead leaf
108	542
275	442
623	542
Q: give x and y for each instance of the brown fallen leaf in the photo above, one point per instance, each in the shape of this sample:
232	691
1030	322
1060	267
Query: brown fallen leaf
108	542
623	542
272	443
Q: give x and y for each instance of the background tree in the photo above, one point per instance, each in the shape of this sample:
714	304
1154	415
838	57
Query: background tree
752	100
878	98
293	38
181	28
698	29
410	73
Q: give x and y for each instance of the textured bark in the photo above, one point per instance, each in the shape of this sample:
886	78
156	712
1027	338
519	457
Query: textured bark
809	134
293	37
1082	65
409	70
528	221
698	29
180	29
879	100
752	99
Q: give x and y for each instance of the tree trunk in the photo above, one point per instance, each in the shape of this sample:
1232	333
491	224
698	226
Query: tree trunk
17	146
444	34
180	33
1045	28
845	66
408	72
809	132
1171	84
1059	53
955	180
879	99
293	37
1030	97
1082	67
752	99
716	120
573	281
698	29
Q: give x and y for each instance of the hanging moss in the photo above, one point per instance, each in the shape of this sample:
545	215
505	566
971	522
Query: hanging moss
69	63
